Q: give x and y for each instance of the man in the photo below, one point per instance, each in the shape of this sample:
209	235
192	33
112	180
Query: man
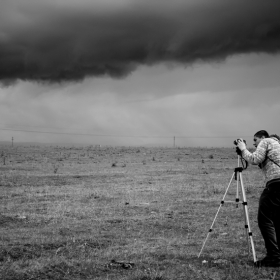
267	156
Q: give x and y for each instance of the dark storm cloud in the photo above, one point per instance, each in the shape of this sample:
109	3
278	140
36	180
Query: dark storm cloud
69	40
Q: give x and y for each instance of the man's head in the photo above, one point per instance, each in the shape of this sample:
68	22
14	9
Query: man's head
259	136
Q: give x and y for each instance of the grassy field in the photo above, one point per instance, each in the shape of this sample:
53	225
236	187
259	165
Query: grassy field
124	213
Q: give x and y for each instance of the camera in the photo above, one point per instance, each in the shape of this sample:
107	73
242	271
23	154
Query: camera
235	141
237	149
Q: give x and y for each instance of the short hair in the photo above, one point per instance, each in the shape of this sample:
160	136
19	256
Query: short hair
262	133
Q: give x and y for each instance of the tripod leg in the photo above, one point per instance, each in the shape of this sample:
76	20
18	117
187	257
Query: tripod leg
237	185
245	220
246	229
211	228
247	225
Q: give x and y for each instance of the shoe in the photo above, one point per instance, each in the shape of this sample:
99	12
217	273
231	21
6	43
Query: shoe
268	262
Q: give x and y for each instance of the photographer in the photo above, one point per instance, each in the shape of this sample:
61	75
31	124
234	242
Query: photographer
267	156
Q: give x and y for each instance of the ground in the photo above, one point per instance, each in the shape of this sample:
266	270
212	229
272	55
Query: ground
125	213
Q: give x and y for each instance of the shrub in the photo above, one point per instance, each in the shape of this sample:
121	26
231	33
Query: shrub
55	169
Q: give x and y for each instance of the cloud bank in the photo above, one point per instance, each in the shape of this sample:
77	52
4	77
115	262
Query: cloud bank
56	41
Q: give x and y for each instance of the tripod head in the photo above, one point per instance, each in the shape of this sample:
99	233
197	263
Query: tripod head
243	161
239	153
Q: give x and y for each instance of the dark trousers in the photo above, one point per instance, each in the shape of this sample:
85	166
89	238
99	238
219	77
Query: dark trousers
269	219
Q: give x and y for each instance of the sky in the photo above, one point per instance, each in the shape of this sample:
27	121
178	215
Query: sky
139	72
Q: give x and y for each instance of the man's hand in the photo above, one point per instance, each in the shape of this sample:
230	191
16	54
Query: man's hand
241	145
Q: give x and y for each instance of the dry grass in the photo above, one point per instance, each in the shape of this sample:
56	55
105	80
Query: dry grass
67	213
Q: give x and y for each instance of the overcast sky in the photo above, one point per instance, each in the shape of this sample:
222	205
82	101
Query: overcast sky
139	72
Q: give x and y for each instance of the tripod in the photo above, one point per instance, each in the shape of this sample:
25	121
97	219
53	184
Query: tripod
238	177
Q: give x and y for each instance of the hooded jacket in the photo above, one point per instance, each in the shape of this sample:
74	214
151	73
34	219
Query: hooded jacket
267	148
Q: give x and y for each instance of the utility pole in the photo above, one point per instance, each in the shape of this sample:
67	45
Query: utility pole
12	141
174	142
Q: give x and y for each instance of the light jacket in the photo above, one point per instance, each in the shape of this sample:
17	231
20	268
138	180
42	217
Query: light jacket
268	147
